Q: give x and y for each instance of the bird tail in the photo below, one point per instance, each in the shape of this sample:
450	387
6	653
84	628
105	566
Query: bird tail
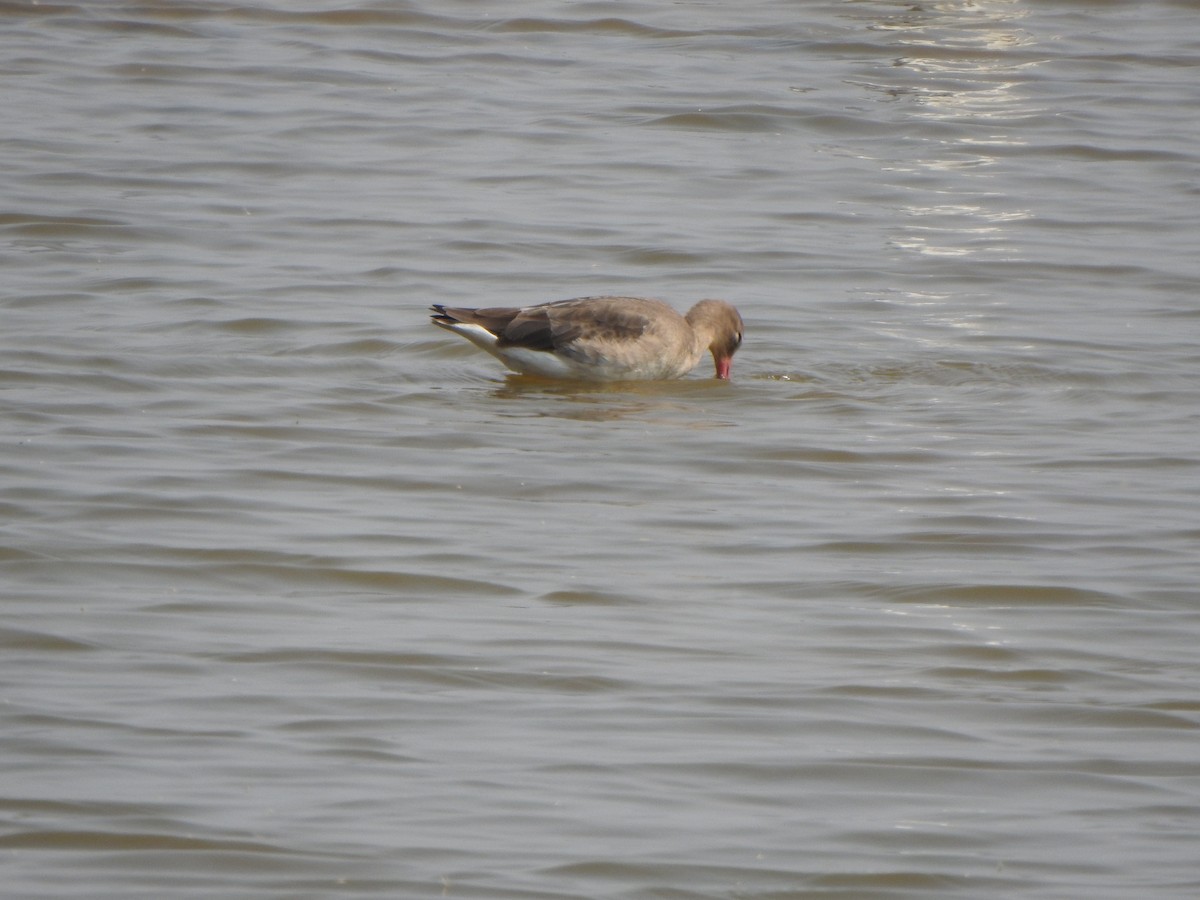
442	316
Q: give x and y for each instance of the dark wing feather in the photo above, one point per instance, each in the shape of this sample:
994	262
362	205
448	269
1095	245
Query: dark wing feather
529	328
512	325
601	319
551	326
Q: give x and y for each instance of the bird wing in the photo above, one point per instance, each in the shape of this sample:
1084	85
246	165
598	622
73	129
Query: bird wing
555	326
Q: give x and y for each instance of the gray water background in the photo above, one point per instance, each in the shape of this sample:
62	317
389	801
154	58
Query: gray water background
303	597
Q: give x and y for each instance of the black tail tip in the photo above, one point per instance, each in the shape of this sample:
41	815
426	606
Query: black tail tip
439	316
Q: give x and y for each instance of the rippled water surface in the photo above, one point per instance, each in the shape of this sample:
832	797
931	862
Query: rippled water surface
305	598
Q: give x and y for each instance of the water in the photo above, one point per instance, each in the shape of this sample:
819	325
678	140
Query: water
305	598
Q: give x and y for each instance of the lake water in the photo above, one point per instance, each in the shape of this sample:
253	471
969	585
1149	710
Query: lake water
305	598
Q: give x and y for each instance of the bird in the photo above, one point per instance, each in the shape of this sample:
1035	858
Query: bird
600	338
